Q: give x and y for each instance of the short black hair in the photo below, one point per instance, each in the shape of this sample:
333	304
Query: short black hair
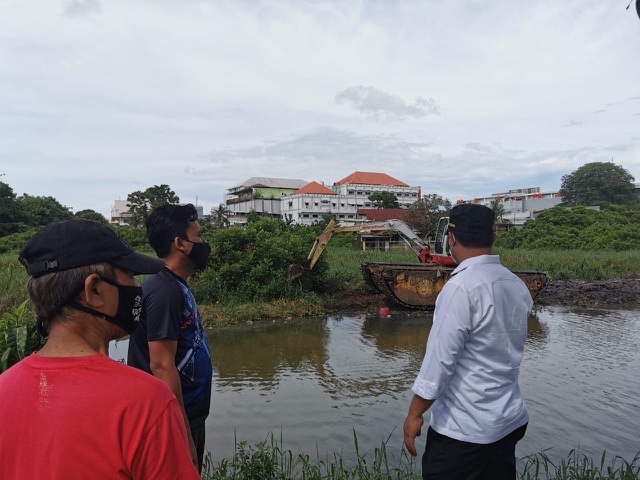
474	240
167	222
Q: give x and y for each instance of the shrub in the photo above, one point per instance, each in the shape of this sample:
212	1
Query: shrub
616	228
251	263
18	337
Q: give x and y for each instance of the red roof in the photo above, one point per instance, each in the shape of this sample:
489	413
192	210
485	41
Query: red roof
371	178
315	187
381	214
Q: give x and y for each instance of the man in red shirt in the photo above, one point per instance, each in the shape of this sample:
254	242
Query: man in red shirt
69	411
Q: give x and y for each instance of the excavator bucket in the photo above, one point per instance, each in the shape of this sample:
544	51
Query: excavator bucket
295	271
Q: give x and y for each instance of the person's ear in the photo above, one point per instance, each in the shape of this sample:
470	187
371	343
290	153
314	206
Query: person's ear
94	291
178	243
452	239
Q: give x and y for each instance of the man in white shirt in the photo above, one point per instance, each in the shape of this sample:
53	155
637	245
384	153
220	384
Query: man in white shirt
472	361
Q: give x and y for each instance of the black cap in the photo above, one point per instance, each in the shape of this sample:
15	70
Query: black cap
471	218
77	243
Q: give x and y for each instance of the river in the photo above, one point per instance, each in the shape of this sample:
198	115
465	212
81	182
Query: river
314	383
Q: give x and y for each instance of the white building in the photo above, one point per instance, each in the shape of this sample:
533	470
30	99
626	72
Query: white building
520	204
344	198
307	205
261	195
120	213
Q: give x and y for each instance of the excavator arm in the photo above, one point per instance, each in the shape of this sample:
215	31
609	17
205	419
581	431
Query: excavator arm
296	271
417	245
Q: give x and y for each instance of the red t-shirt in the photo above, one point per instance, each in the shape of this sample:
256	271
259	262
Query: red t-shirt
89	417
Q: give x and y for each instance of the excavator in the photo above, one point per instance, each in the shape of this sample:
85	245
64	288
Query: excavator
412	285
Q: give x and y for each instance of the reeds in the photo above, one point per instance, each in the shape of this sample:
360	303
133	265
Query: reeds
268	461
579	467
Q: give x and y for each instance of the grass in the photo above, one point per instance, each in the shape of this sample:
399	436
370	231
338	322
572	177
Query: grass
13	283
268	461
579	467
345	275
573	264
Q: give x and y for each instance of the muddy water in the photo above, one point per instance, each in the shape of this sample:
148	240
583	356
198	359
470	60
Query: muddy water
313	383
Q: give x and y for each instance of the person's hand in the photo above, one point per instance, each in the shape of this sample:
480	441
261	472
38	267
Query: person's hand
411	428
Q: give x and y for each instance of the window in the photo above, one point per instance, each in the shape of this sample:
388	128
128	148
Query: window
306	204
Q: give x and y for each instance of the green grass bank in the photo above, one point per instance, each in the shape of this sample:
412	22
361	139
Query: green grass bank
344	281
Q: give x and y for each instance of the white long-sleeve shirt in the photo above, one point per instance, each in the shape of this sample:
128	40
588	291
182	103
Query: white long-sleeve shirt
474	351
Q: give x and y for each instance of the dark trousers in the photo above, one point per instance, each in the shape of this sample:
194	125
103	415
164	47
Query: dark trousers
198	435
449	459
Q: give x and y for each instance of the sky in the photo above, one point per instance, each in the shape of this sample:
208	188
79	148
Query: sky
465	98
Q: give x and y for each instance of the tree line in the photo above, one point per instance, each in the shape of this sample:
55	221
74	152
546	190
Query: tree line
600	184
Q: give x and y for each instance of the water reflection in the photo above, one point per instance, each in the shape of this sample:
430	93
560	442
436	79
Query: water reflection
316	381
260	354
537	332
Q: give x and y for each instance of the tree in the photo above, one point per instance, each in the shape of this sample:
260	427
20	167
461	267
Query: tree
89	214
498	209
43	210
220	216
141	203
598	183
423	215
384	200
11	211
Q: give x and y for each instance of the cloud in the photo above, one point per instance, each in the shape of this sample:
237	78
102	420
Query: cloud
81	8
573	123
602	110
376	104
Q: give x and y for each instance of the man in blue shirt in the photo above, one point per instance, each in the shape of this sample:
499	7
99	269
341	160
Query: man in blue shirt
171	342
470	369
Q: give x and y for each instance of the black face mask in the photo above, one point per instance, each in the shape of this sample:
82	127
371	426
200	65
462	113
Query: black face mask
129	307
199	254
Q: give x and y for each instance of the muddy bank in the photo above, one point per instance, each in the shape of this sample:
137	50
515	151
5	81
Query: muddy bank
619	292
623	292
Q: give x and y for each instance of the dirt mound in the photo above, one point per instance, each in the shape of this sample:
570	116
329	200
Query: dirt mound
619	292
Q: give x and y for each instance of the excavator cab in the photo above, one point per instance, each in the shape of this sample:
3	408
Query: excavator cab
441	244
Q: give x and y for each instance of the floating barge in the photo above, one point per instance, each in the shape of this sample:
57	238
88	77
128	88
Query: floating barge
416	286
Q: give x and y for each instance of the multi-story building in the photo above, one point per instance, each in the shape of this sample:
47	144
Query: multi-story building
120	213
261	195
520	205
359	185
345	198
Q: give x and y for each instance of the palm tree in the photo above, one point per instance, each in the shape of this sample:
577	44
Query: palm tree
220	216
498	209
